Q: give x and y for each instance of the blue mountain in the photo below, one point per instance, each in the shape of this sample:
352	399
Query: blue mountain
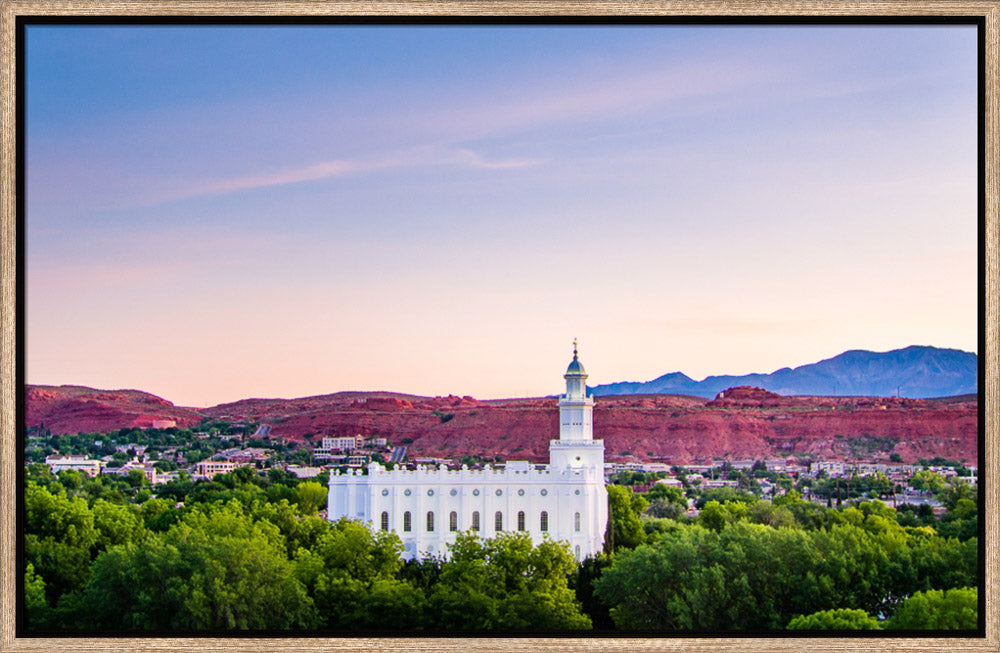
916	372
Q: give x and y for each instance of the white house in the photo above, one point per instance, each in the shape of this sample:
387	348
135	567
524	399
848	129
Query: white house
342	444
565	500
80	463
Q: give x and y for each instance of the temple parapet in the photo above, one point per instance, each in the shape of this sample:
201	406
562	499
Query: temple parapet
379	474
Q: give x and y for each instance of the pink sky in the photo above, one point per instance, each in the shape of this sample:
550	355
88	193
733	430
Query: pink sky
209	224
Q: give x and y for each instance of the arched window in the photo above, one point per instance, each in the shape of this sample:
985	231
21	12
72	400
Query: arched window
430	521
520	520
544	522
453	521
385	521
576	522
406	521
498	521
475	520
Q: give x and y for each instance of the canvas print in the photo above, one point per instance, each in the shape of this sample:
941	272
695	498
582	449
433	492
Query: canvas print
501	328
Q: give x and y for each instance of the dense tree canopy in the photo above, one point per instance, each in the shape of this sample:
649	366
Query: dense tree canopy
216	569
724	572
839	619
248	551
938	610
626	508
505	583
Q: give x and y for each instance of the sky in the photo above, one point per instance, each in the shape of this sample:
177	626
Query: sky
223	212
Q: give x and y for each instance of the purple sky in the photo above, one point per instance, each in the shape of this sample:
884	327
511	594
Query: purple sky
216	213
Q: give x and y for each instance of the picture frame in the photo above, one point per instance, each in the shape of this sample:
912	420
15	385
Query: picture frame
11	362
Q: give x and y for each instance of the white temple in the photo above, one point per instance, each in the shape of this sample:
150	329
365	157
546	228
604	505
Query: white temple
564	500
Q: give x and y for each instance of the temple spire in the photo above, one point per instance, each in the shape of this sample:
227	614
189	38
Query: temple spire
575	407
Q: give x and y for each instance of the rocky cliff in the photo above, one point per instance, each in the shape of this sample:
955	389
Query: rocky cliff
71	409
739	423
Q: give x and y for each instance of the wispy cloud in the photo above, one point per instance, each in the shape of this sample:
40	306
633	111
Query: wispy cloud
594	99
444	124
323	170
672	89
432	155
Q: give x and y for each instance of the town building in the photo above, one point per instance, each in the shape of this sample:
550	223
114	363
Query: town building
342	444
245	456
209	468
79	463
147	469
304	472
831	467
565	500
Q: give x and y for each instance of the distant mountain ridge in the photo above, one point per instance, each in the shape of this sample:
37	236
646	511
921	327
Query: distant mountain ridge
916	372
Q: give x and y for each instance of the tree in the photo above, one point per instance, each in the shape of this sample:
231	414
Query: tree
954	609
837	619
880	485
714	516
665	501
153	508
463	598
790	497
135	478
116	524
743	576
942	563
343	564
164	465
583	584
311	496
406	604
746	577
664	508
37	610
626	525
281	492
59	538
961	522
646	587
954	491
812	516
927	481
215	569
506	583
663	491
244	475
723	494
765	512
298	531
71	479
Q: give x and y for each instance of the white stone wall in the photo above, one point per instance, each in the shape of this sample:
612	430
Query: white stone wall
576	454
576	419
517	488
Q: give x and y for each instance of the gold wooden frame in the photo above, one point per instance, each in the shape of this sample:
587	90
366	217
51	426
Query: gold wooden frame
11	9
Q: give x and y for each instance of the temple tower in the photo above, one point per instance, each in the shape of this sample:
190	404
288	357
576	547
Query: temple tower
576	446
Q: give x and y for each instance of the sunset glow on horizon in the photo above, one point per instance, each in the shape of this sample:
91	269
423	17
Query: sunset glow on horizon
216	213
